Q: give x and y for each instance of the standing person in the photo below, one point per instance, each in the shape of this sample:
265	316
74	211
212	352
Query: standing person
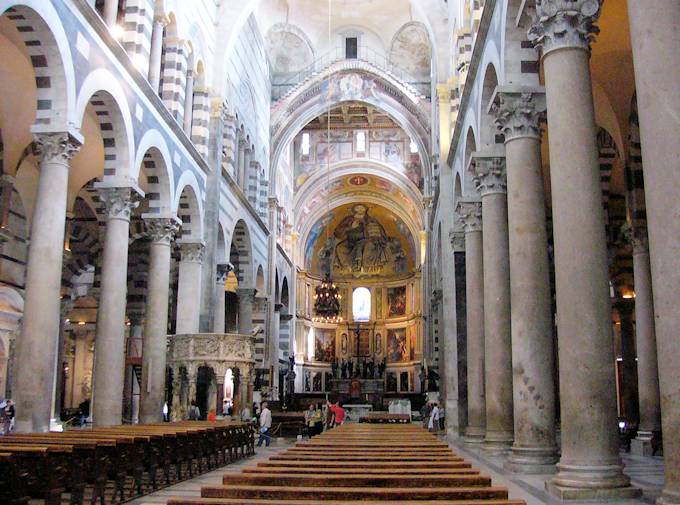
265	425
11	412
338	413
194	411
330	415
309	415
425	412
433	423
317	423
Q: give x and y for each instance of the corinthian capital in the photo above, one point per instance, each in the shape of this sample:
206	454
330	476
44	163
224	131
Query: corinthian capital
488	172
564	23
519	111
118	202
59	147
161	230
635	236
192	252
470	214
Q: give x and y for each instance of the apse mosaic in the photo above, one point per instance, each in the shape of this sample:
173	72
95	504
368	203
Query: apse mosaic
360	240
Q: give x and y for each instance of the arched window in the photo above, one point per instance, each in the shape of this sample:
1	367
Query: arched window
361	305
361	142
304	145
413	147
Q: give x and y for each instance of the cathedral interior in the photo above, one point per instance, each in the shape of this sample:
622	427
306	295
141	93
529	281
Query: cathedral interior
218	217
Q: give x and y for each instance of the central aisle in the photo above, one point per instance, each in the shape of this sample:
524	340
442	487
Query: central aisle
379	464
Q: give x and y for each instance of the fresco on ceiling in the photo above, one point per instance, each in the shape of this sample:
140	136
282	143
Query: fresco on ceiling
385	145
360	240
411	51
288	53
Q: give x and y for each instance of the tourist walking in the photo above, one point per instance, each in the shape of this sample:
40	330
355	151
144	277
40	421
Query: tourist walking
425	412
265	425
433	423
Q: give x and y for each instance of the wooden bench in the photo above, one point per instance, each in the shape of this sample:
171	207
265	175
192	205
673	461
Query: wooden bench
45	465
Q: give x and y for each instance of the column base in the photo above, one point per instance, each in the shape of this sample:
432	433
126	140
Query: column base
591	482
497	442
669	498
532	460
642	444
474	436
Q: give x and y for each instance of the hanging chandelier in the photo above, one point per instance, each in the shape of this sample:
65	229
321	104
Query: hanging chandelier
326	295
327	302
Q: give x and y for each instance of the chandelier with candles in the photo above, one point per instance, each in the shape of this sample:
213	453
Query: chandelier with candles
327	302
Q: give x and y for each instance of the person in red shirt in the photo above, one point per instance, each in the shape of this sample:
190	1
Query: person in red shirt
338	413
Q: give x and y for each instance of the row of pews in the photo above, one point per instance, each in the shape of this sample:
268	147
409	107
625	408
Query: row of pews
112	464
380	464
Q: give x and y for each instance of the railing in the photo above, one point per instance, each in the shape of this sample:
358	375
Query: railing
366	54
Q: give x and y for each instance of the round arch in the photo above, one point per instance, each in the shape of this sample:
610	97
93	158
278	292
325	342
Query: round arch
152	161
38	24
189	207
102	91
241	254
370	198
337	85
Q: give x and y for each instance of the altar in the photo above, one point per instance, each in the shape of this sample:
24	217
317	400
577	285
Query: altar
356	411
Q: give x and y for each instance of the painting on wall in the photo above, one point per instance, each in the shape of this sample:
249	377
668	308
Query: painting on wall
396	301
363	241
324	345
412	336
397	345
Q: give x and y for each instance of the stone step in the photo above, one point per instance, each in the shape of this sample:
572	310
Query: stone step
362	494
357	480
363	470
277	501
360	457
402	465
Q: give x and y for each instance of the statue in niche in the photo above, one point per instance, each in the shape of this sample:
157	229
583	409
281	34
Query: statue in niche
378	344
343	343
362	242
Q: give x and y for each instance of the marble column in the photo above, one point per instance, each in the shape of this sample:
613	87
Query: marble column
156	54
246	298
489	177
189	287
247	157
470	213
110	12
189	102
590	466
161	231
220	307
645	344
519	112
655	40
629	390
240	162
37	345
109	353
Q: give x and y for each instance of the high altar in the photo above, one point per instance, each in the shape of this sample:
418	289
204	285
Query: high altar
376	348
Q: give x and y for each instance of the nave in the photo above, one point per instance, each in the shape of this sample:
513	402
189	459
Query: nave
384	464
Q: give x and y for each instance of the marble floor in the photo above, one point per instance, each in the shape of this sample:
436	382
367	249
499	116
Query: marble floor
645	473
192	487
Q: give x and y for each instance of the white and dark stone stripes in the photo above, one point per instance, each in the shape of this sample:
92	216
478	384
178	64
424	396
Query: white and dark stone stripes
635	184
173	85
138	25
43	52
152	169
607	150
110	127
200	125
